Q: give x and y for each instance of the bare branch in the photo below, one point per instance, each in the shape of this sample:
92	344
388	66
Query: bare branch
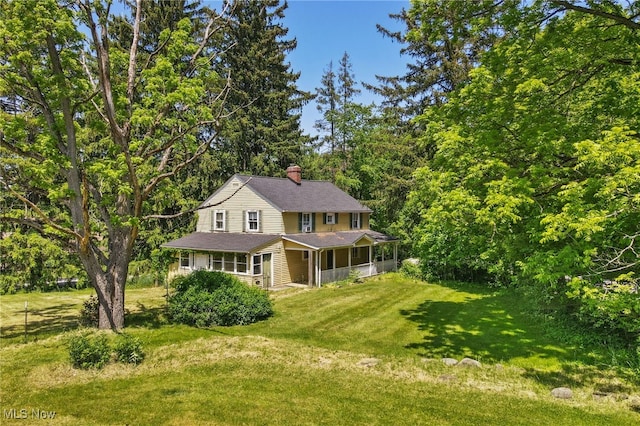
601	13
40	213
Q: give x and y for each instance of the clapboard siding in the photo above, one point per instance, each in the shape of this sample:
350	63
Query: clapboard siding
235	206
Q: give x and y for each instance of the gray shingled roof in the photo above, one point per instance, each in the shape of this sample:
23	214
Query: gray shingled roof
224	242
337	239
310	196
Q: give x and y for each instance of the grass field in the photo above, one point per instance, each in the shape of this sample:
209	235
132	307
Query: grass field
306	365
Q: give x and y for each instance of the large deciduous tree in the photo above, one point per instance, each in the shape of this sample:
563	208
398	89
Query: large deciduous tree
99	126
536	173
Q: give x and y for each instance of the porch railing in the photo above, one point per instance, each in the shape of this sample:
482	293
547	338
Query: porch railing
363	270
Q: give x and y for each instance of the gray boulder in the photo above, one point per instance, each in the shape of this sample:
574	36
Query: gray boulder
562	393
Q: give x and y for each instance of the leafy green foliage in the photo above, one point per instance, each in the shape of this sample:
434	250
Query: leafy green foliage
411	268
128	349
205	299
534	177
89	312
89	350
96	129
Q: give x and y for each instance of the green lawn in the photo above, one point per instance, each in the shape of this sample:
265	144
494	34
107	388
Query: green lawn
303	366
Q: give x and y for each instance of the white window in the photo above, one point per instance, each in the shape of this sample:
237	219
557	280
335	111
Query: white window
229	262
257	264
219	220
253	221
215	261
241	263
331	219
306	222
355	221
185	260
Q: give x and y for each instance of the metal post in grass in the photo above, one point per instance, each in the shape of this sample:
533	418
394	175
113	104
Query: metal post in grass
26	310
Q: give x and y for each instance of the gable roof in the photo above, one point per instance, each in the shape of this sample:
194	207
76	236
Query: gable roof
223	242
312	196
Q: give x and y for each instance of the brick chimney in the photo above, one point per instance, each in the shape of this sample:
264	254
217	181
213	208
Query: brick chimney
295	173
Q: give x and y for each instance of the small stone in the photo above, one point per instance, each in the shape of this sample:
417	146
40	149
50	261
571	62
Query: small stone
468	362
562	393
449	361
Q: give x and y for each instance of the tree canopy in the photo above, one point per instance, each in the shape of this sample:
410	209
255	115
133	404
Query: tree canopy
536	173
97	126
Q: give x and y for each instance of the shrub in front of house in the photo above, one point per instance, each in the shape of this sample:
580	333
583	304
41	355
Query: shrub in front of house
128	349
206	298
89	312
89	350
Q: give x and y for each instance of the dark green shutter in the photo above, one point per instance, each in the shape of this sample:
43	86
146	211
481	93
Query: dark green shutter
324	218
336	215
300	222
350	220
313	222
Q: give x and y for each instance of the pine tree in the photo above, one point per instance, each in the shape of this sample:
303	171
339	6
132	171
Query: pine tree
262	134
327	100
439	38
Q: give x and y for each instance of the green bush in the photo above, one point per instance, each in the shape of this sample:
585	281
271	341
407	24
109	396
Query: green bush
214	298
89	312
128	349
411	268
89	350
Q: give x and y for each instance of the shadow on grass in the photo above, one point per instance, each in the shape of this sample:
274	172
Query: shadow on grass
481	327
44	322
147	317
494	327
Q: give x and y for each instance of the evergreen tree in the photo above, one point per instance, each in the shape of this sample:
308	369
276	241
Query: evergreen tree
327	104
443	40
262	134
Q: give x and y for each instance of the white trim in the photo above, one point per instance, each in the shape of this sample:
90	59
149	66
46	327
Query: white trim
331	218
189	259
215	220
248	222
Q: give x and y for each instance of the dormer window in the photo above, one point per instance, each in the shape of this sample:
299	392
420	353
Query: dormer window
219	220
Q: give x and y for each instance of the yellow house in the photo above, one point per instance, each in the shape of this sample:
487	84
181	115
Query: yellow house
275	231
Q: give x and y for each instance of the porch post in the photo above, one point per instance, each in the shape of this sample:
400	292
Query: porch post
395	257
310	268
319	268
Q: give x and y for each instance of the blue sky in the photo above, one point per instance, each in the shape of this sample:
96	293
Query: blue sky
325	29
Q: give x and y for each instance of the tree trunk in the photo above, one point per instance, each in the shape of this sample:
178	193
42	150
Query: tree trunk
109	282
